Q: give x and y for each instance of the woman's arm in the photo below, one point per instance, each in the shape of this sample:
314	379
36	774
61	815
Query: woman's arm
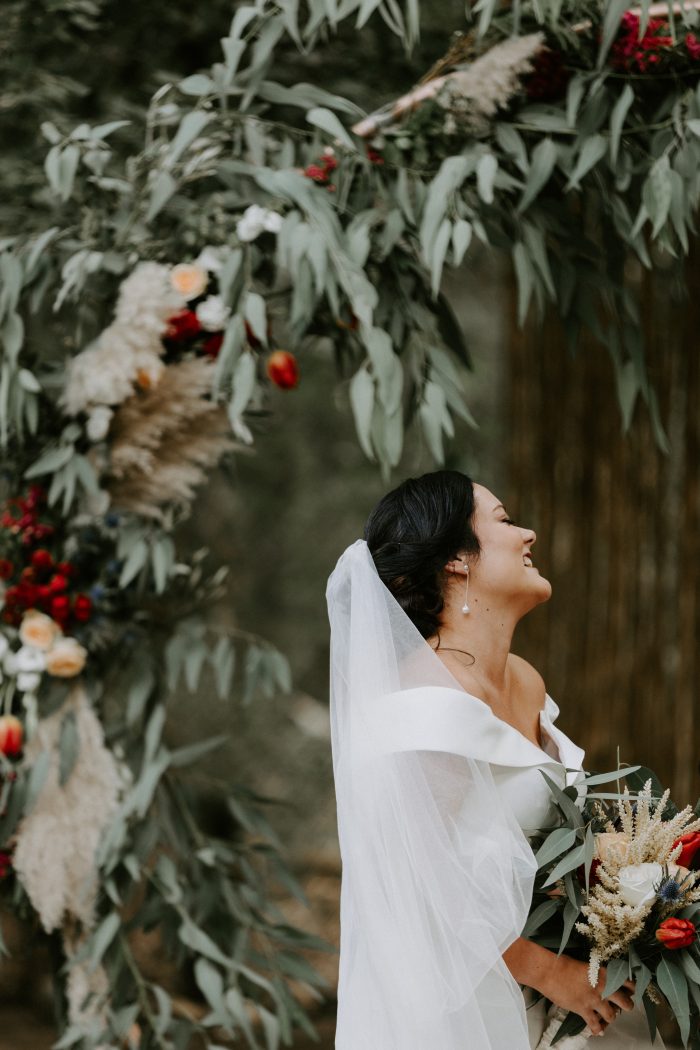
565	981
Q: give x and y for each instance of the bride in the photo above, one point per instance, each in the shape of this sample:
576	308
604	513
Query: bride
439	734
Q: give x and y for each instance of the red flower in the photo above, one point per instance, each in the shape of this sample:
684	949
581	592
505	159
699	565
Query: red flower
676	933
5	863
212	345
82	607
66	568
11	734
593	877
373	156
630	53
27	574
6	569
691	844
313	171
282	369
27	594
60	608
693	45
320	172
182	326
58	583
41	559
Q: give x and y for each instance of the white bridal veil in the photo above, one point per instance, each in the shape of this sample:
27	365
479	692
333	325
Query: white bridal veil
437	874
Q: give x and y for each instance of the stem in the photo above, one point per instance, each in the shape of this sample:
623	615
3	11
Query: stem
142	989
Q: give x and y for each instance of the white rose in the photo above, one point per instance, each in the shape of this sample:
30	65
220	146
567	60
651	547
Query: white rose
98	422
273	222
38	631
29	659
28	681
213	313
209	259
251	223
637	882
66	659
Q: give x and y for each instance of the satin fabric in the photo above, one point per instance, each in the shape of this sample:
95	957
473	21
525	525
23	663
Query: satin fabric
437	873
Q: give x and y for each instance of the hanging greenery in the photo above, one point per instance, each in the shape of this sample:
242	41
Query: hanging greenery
145	319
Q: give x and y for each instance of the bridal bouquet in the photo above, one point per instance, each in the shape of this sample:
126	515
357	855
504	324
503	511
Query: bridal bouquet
616	886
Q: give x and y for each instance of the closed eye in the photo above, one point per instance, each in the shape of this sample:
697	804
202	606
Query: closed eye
508	521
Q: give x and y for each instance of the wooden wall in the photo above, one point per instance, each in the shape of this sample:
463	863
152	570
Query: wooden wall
618	535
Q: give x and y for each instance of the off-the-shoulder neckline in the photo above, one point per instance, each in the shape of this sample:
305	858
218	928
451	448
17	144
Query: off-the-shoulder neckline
543	711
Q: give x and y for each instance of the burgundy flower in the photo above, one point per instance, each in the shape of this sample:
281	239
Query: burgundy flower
212	345
182	326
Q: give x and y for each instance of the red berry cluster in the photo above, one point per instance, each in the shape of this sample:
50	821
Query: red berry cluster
321	172
635	55
24	522
184	328
37	581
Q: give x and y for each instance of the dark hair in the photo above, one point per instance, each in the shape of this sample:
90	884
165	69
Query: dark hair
411	534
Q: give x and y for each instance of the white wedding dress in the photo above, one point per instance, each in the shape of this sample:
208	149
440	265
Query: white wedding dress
435	799
515	765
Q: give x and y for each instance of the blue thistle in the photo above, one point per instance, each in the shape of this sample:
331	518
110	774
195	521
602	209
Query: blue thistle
670	891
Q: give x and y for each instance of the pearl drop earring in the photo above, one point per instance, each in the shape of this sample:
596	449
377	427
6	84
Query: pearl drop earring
465	607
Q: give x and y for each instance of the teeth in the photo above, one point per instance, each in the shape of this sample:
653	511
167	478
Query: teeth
527	560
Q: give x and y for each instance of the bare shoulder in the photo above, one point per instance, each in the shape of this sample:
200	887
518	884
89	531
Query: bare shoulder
529	679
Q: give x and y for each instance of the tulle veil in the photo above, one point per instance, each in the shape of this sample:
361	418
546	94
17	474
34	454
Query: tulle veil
437	875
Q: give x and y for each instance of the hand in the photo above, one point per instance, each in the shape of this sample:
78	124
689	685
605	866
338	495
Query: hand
568	986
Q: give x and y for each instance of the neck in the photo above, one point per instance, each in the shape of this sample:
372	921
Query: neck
486	633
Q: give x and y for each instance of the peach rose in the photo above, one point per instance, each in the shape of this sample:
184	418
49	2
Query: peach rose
66	659
38	630
189	280
612	846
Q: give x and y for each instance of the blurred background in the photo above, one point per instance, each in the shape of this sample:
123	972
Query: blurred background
617	521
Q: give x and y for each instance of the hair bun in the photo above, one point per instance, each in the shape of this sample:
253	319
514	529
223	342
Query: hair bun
413	531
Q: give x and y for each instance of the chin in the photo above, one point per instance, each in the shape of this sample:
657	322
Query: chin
545	589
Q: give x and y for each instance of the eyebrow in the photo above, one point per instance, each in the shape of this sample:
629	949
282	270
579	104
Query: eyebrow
497	506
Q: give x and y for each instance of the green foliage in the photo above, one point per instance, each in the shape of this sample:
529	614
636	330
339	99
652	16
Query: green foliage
571	186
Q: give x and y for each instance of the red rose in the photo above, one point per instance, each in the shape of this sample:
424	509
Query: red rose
82	607
11	734
282	369
6	568
66	568
41	559
27	594
60	608
58	583
212	345
676	933
182	326
691	844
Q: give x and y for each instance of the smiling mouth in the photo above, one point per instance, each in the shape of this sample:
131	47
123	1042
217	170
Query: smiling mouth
527	561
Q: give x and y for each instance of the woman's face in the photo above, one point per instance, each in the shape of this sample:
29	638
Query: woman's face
504	571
